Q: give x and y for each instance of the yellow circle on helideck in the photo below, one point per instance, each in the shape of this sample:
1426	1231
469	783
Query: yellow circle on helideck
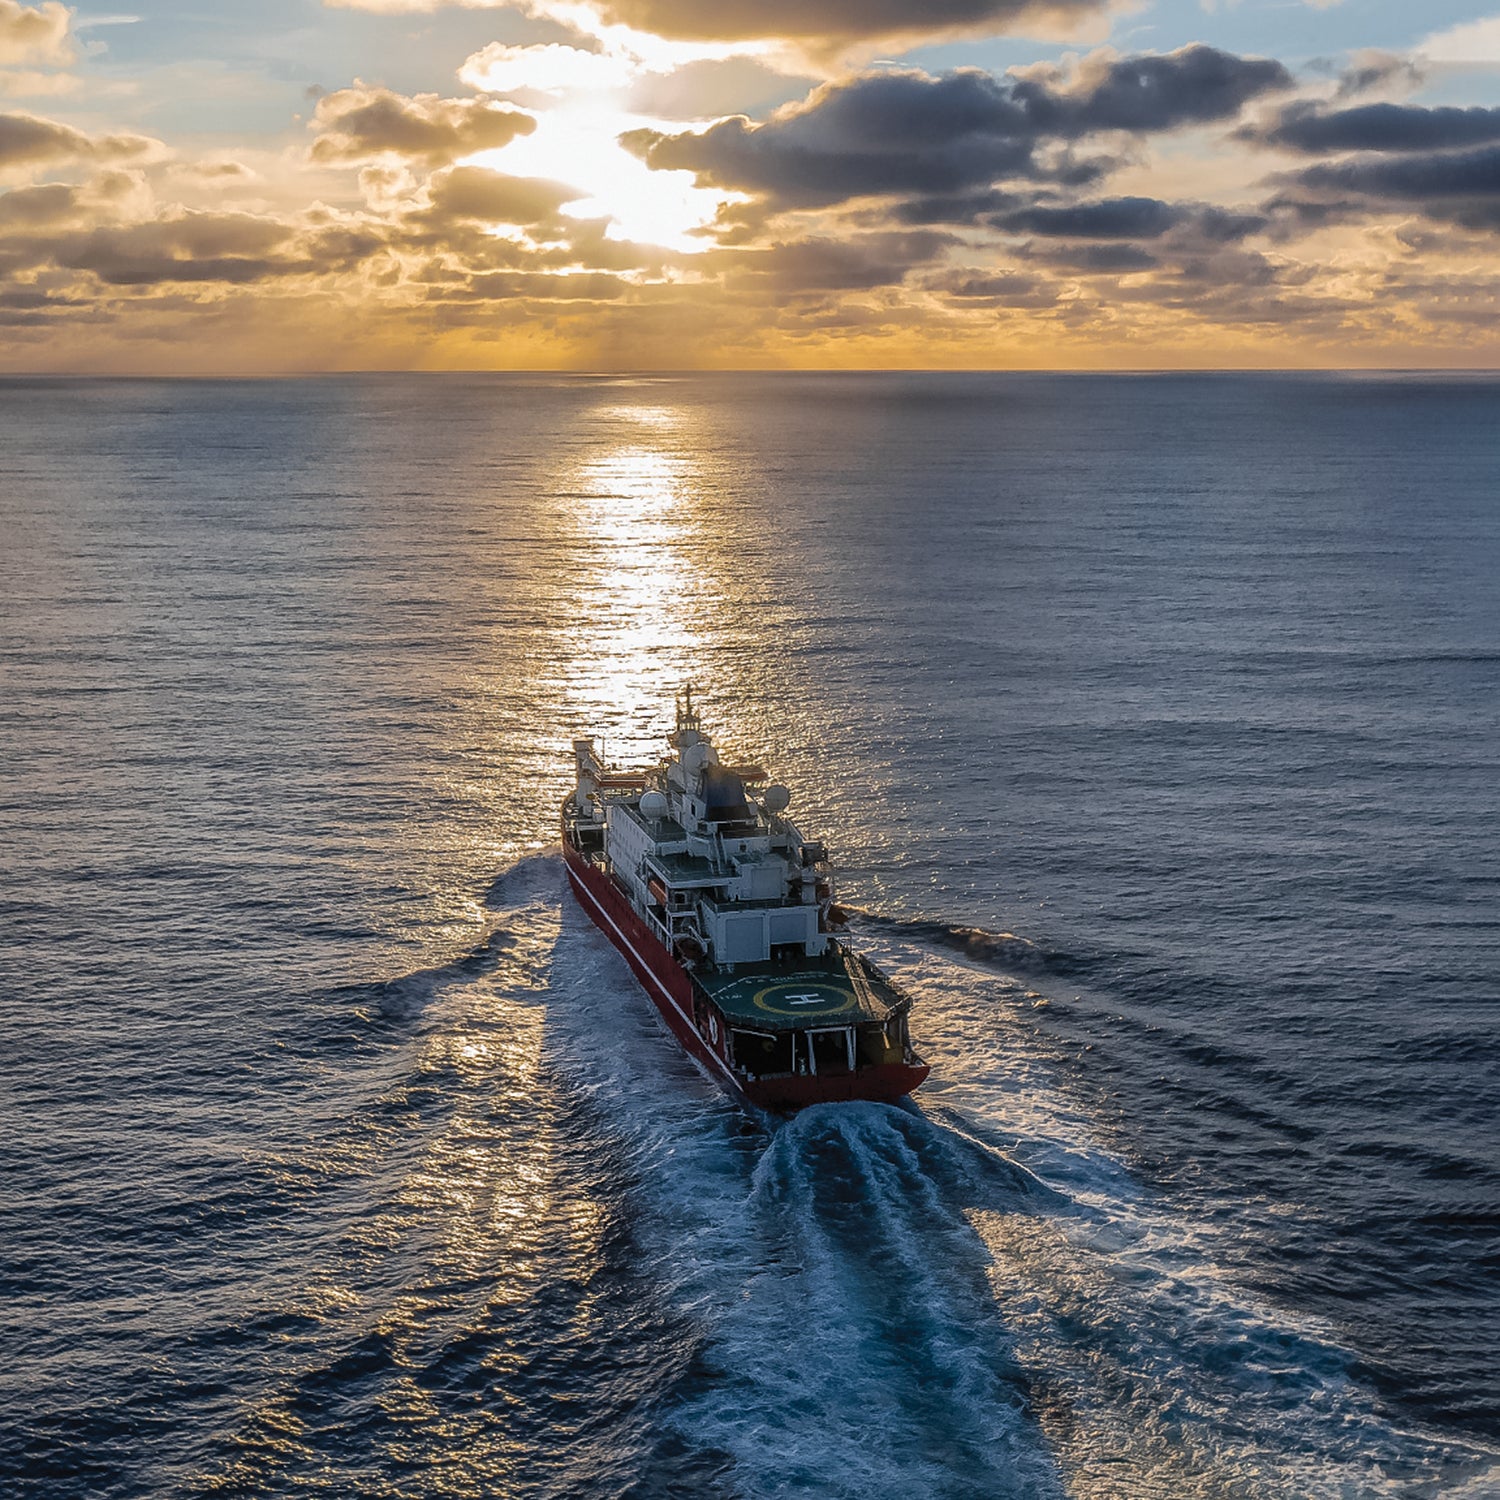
831	999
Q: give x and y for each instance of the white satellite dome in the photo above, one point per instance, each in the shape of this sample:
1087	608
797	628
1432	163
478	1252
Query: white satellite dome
777	798
653	805
695	757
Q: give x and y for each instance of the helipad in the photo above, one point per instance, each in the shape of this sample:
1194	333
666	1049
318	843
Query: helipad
768	996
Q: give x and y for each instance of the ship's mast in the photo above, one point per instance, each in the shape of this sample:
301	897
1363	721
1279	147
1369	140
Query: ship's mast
688	728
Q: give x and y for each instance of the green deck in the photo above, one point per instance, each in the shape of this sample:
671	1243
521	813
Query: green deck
834	990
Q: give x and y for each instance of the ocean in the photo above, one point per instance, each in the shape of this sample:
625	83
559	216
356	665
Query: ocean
1154	726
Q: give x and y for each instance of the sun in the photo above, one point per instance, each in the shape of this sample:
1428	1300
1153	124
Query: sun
581	101
578	143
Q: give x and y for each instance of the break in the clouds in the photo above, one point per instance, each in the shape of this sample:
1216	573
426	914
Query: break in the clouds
668	182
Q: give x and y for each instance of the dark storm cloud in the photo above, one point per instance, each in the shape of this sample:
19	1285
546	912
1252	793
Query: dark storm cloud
1378	127
1199	224
844	20
1109	219
954	208
361	123
905	133
1117	260
1152	92
28	140
857	264
880	134
1181	242
1463	187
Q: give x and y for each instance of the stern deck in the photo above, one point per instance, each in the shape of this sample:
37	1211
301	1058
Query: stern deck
836	988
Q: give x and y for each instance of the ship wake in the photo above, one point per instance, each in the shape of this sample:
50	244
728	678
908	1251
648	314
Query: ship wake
588	1271
969	1296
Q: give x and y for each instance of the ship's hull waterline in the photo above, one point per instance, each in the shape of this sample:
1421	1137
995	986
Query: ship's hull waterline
676	996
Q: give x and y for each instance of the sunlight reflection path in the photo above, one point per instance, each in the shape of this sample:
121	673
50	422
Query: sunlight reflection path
637	513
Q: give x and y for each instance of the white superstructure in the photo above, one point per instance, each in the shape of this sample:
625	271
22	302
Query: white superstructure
717	871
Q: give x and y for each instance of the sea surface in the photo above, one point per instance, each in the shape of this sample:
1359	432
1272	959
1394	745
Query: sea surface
1154	724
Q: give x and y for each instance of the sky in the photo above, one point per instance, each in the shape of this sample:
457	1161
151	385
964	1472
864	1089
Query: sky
306	185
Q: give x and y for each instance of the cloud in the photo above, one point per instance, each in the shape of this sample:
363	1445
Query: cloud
713	87
1007	288
1371	69
494	198
364	122
844	20
184	247
820	264
29	83
543	69
817	23
1463	187
28	140
1149	92
1378	127
37	36
508	286
902	132
222	173
1130	219
1099	259
49	203
1475	43
890	216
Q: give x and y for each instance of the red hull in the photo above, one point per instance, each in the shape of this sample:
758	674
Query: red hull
670	988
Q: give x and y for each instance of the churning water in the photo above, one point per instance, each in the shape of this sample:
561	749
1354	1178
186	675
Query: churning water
1153	724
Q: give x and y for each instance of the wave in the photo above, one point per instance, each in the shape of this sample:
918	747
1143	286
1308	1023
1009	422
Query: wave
585	1271
999	950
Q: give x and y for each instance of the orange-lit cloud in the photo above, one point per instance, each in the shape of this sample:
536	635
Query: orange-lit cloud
39	35
821	22
360	123
667	190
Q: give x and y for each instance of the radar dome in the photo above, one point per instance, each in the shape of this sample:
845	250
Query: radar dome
777	798
695	757
653	805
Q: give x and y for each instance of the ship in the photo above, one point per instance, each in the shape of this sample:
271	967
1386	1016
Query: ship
725	914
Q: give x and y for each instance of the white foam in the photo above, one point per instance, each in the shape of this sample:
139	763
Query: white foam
967	1296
